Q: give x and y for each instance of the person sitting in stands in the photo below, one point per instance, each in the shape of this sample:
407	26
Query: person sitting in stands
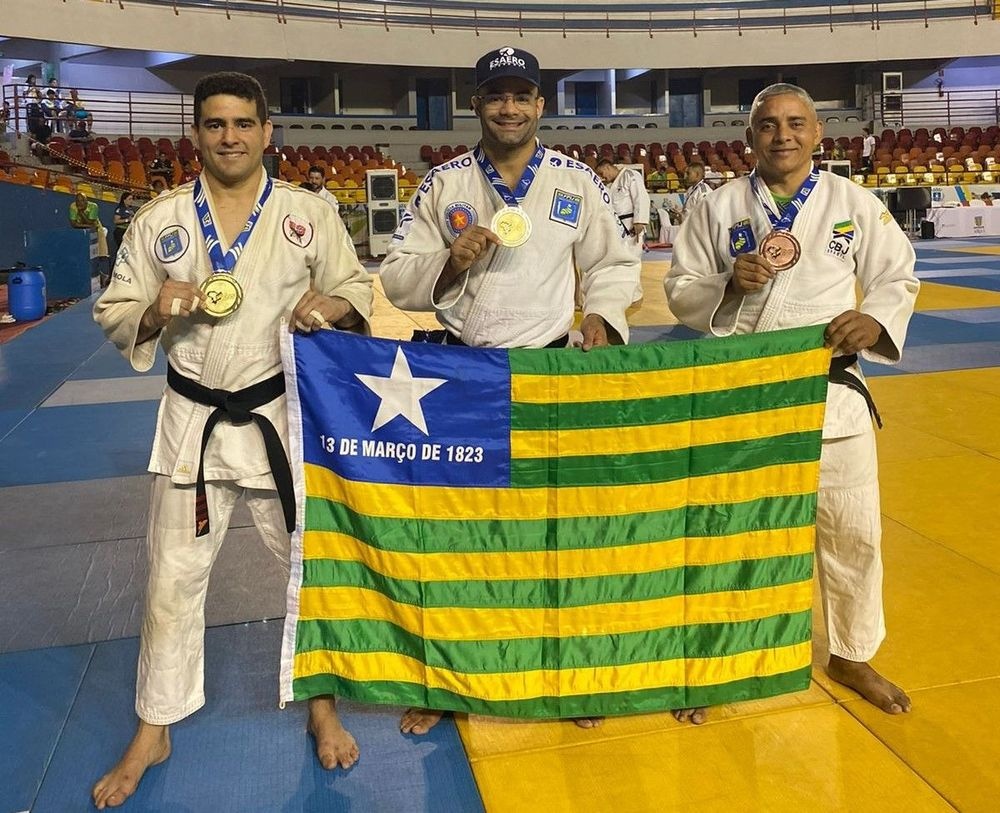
160	172
188	171
80	134
74	109
986	198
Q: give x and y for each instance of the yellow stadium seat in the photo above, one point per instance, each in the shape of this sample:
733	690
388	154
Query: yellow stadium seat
890	179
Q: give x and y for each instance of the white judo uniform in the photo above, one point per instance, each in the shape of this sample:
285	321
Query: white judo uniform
298	242
848	239
695	195
630	200
513	297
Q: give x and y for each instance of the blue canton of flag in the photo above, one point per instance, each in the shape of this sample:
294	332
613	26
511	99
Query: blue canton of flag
400	412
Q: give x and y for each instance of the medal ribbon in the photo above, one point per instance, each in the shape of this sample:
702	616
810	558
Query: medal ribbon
785	220
521	190
224	263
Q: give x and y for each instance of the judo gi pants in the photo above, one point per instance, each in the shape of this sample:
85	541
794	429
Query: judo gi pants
170	680
848	546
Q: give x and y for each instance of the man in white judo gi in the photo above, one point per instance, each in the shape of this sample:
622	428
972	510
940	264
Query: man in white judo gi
492	240
222	428
630	202
786	247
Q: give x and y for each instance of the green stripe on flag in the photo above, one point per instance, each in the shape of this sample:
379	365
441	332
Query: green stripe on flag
747	574
667	355
521	655
669	409
458	536
608	703
660	467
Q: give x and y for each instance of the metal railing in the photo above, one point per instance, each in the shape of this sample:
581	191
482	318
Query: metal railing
930	108
656	16
119	112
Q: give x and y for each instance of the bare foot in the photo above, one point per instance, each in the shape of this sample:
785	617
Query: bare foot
150	746
588	722
696	716
419	721
334	743
869	684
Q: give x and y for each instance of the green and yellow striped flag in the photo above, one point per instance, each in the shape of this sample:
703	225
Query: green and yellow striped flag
551	533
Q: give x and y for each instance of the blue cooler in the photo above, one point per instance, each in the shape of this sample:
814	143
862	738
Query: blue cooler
26	294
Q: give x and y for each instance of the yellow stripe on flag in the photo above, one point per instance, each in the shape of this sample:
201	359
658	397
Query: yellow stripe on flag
481	624
544	389
527	444
441	502
389	666
569	564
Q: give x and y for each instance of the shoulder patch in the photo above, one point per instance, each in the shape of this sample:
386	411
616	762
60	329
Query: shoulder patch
566	208
741	238
460	216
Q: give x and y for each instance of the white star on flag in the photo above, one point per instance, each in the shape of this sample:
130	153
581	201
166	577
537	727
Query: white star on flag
400	393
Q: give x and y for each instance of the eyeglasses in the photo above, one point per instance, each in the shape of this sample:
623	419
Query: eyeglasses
521	100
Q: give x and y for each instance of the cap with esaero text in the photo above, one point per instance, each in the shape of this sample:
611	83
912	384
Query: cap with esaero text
507	62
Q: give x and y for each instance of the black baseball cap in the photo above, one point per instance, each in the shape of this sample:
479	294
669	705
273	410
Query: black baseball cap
507	62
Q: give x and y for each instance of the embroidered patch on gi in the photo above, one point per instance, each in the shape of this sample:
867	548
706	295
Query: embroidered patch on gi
741	239
566	208
297	231
403	229
460	216
841	239
886	218
171	244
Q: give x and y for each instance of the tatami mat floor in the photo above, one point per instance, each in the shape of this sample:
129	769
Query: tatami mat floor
75	427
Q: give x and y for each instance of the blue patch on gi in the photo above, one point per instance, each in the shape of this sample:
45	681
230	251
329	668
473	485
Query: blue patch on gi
566	208
170	244
741	239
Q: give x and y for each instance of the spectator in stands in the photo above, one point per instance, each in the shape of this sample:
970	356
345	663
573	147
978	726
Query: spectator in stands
83	214
315	182
986	198
50	109
79	132
4	116
54	88
188	171
657	179
32	101
160	172
75	110
867	150
124	212
838	153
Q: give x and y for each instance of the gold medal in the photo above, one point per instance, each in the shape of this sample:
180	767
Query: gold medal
781	249
512	226
223	295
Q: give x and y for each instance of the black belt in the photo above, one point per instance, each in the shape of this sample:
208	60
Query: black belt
452	339
238	406
839	374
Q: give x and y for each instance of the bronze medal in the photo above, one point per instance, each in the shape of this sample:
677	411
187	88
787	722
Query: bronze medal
512	225
223	295
781	249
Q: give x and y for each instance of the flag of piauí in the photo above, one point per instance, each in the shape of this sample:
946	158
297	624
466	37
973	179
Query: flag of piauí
553	533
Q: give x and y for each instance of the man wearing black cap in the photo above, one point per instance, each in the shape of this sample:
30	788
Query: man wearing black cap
492	240
492	237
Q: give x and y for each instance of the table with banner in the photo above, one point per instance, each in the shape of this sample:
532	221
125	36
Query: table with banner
965	221
552	533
